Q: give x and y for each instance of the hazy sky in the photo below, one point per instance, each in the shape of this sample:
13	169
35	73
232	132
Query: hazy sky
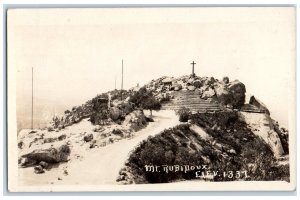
77	53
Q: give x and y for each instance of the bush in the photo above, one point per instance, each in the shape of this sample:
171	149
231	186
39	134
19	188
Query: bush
184	114
182	146
145	99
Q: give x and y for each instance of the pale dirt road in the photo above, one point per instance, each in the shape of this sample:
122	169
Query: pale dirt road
100	165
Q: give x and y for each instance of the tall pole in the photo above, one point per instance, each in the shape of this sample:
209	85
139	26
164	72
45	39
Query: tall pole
32	98
115	82
122	83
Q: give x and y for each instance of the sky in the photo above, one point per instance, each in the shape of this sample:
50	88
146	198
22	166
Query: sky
77	53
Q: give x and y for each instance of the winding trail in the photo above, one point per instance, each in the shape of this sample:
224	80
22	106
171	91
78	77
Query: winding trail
102	165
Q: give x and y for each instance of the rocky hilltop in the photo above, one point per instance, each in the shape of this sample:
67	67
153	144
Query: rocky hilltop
217	126
226	93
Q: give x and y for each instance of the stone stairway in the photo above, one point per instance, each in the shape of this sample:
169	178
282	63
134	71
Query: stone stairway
251	108
190	100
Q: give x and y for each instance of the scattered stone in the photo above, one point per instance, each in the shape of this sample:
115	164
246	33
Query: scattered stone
232	151
149	119
50	129
38	169
20	144
62	137
66	172
49	140
32	132
44	164
88	138
225	80
59	178
93	144
117	132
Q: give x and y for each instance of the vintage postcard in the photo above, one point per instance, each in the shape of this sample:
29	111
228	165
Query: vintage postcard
151	99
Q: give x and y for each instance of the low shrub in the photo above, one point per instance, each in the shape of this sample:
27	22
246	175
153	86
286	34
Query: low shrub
184	114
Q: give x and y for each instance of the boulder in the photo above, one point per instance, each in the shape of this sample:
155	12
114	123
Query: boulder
135	119
62	137
225	80
190	81
38	169
223	95
237	89
117	132
259	104
208	93
232	94
191	88
88	138
197	83
167	80
209	81
43	164
177	87
114	113
50	155
180	82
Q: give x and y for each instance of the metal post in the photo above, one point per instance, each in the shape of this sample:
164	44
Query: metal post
122	83
32	98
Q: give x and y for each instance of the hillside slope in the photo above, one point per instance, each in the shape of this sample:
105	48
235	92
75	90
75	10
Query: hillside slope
221	141
97	165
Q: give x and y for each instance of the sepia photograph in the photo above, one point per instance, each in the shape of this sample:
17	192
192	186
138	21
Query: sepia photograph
151	99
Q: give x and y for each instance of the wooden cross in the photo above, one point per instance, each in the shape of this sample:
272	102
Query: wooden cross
193	63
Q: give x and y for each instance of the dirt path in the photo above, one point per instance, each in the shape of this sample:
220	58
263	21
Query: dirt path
102	165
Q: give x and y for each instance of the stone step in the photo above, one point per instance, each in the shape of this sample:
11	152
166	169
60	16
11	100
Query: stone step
198	110
192	107
185	97
195	105
251	108
187	102
191	101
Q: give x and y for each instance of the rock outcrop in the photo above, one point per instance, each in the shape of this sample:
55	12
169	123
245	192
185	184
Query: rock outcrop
257	103
115	113
232	94
229	94
136	120
50	155
261	125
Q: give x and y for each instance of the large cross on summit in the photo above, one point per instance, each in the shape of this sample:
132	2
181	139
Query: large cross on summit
193	64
